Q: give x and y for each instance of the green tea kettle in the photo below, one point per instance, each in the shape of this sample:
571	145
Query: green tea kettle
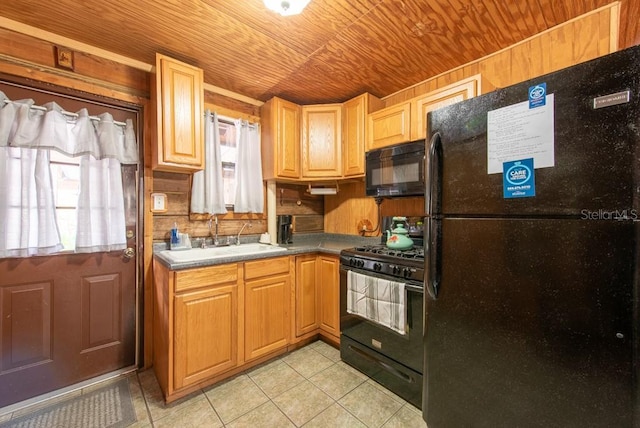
398	236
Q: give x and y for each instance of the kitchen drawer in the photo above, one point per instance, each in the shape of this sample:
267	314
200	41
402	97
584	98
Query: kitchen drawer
205	277
266	267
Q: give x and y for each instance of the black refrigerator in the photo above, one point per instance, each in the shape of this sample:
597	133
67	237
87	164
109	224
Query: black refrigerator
531	289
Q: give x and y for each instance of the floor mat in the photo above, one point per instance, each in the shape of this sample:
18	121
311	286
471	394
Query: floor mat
109	406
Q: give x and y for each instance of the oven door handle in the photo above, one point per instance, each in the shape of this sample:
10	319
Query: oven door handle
433	200
409	285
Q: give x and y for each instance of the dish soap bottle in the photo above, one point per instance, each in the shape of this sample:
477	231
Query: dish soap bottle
175	236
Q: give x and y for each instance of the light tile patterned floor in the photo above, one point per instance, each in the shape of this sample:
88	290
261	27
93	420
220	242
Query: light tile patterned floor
309	387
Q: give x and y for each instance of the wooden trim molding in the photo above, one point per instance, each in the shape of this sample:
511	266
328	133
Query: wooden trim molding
56	39
614	27
69	79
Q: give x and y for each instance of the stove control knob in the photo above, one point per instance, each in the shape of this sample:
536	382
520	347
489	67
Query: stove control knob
377	267
406	272
360	263
352	262
395	270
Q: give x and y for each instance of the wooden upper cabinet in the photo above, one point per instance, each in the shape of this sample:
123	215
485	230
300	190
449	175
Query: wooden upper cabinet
445	96
322	141
406	121
280	139
389	126
179	98
354	132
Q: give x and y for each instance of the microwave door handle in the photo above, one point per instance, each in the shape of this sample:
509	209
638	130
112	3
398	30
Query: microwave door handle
433	202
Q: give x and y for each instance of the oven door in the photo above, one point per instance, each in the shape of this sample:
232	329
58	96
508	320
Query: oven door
406	349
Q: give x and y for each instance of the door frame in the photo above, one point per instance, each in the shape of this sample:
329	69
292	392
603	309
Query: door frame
138	106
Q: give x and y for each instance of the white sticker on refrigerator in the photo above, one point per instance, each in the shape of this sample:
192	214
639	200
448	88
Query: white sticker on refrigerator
518	132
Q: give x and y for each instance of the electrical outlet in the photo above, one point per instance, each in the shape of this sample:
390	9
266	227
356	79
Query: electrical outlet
158	202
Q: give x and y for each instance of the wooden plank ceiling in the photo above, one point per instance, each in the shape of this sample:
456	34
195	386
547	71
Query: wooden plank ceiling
334	50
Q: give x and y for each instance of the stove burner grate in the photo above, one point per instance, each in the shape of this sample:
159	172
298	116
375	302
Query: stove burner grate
414	253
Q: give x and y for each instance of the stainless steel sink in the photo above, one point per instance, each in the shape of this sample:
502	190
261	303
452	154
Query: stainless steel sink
198	254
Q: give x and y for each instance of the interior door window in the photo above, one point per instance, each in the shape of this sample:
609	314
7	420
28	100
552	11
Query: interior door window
65	173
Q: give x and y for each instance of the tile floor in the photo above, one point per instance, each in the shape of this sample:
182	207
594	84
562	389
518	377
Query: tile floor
309	387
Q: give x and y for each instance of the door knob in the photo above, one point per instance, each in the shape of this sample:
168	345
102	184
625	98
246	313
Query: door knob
129	253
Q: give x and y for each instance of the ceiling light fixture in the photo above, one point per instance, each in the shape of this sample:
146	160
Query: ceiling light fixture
286	7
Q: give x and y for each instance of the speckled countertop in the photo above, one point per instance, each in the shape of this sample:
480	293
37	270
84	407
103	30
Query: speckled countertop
328	243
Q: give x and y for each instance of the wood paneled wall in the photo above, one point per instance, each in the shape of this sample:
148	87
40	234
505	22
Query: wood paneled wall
350	209
295	200
587	37
177	187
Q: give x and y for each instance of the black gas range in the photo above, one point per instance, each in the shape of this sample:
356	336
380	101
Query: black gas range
392	358
378	259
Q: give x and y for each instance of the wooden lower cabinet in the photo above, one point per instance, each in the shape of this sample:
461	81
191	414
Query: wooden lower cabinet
266	306
317	297
213	322
205	334
196	325
307	319
329	294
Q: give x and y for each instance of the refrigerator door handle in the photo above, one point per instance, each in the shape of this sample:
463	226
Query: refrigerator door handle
433	205
433	172
435	257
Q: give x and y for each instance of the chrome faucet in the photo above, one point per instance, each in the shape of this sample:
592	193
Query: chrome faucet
215	237
241	229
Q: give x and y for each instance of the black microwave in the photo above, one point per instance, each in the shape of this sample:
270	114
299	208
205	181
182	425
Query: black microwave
396	170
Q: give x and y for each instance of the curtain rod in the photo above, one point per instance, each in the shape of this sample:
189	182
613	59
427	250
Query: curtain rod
67	113
231	120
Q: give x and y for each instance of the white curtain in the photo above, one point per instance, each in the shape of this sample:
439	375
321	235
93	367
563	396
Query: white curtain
249	187
27	211
27	207
101	218
207	189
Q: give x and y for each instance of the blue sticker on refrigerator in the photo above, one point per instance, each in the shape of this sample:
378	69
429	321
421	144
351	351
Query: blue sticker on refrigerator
538	95
518	178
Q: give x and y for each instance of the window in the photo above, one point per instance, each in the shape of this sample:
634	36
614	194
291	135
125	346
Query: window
65	174
229	154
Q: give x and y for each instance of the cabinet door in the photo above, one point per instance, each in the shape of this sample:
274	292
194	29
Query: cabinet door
288	140
329	284
307	319
267	320
389	126
354	123
322	141
280	139
180	98
448	95
205	334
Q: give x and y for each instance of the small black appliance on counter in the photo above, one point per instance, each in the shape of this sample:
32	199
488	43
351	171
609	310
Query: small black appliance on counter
285	229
